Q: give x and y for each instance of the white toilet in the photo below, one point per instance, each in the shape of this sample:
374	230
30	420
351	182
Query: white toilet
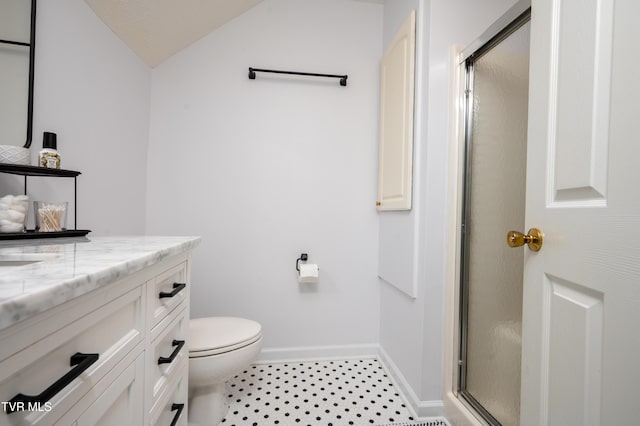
219	348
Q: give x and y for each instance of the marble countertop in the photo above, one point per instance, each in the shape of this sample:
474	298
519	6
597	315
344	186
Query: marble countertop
37	275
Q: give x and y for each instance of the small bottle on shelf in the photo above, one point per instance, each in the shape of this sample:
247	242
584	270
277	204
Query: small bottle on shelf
49	156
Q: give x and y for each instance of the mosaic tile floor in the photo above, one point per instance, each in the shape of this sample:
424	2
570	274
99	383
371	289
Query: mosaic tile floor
328	393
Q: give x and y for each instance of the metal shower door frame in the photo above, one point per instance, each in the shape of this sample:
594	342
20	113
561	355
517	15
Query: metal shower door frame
506	25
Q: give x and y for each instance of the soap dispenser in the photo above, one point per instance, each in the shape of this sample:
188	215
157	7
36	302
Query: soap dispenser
49	156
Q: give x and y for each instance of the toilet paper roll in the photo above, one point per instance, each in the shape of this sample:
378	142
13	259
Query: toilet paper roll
308	273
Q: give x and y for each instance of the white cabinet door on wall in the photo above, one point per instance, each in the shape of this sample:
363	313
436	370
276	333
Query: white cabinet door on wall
396	120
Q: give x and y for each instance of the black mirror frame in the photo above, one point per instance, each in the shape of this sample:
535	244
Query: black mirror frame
32	50
31	45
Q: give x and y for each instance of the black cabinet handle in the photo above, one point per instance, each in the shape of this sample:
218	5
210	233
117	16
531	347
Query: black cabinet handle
178	344
175	407
79	360
176	289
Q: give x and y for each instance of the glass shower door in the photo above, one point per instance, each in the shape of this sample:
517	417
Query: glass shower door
491	311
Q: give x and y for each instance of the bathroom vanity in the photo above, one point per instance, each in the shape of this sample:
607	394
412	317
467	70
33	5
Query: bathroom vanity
92	331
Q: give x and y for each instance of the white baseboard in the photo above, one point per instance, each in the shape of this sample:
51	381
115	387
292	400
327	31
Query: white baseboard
317	353
422	409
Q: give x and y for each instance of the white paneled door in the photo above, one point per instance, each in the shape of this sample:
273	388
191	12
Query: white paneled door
581	311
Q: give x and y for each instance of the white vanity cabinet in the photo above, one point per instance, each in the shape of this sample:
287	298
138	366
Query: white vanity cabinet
167	353
116	355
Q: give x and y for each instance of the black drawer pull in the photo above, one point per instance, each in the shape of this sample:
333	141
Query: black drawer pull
79	360
178	344
176	289
175	407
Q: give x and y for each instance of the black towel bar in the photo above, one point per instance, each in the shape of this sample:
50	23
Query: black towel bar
343	78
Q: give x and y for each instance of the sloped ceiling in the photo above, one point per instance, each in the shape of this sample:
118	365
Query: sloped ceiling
157	29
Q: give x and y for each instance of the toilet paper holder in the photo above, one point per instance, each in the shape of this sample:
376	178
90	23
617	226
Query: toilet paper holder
304	257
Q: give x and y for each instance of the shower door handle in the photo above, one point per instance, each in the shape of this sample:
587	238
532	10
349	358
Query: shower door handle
533	239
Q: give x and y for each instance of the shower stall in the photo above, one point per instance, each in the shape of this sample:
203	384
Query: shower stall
496	100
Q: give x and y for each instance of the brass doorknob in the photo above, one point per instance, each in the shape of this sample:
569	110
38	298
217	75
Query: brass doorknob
533	239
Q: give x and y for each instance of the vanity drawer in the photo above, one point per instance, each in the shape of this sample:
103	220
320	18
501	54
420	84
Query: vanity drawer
166	292
117	398
172	411
167	354
64	366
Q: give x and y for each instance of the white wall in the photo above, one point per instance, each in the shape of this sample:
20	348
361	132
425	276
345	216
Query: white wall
94	93
269	168
412	329
402	327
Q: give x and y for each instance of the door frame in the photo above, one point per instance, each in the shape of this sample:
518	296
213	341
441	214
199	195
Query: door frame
456	409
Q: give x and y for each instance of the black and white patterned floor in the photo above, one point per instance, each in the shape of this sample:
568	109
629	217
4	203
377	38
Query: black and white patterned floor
329	393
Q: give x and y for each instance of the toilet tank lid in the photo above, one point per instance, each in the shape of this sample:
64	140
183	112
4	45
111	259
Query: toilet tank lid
210	333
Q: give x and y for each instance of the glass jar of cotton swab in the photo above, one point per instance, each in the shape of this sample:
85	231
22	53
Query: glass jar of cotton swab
50	216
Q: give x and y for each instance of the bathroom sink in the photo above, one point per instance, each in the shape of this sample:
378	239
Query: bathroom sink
22	259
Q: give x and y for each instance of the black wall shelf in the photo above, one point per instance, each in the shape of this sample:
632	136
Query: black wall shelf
26	171
23	170
33	235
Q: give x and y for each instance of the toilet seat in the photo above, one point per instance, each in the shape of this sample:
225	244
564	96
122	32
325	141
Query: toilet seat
217	335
